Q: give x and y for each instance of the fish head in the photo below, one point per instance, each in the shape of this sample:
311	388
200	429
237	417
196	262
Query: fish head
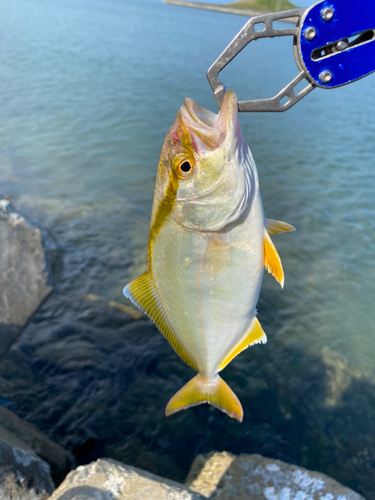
206	167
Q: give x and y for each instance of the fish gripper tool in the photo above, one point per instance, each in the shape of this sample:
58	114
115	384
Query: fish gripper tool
333	45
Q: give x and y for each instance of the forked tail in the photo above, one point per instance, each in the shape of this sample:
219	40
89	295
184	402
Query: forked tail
202	390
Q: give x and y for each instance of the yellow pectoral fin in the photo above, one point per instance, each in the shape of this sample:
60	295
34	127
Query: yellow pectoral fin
272	260
142	292
201	390
255	335
278	226
216	256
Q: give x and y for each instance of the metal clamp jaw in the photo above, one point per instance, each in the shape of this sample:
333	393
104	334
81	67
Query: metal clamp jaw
333	45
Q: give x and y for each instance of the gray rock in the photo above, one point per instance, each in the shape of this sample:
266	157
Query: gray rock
24	269
206	472
59	460
23	475
112	480
11	489
223	476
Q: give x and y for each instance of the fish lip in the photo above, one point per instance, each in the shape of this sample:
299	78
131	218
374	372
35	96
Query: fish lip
209	130
198	114
203	126
194	114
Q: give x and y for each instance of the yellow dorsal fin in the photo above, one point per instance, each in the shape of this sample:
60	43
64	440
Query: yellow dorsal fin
255	335
272	260
278	226
202	390
142	292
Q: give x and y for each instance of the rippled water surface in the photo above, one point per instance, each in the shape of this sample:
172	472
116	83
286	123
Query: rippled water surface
88	90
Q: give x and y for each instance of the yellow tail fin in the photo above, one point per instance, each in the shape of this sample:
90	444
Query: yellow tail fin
202	390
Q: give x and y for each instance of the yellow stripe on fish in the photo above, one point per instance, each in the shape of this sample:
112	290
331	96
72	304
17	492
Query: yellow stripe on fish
163	211
166	204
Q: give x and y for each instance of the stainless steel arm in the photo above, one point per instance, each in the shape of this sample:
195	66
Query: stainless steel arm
244	37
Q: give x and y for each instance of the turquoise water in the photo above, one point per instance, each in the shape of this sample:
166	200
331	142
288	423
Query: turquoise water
88	90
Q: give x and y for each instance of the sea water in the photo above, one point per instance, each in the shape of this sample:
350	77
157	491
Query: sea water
88	90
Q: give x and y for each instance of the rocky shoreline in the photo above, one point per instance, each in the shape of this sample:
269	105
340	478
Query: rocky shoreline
82	365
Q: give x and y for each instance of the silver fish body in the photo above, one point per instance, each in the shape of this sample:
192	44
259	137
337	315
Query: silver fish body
208	246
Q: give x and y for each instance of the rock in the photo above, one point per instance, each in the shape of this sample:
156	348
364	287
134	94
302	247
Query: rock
109	479
224	476
24	270
206	472
59	460
339	376
23	475
10	489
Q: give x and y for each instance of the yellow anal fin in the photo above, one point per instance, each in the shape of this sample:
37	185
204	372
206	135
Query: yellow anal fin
278	226
202	390
142	292
255	335
272	261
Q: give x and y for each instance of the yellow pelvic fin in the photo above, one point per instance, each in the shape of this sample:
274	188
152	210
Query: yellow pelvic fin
142	292
202	390
272	261
255	335
278	226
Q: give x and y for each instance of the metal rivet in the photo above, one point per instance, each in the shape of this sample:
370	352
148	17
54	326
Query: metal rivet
309	33
325	76
342	45
327	14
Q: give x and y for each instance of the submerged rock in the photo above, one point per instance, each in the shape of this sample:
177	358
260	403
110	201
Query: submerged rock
224	476
24	272
23	475
59	460
109	479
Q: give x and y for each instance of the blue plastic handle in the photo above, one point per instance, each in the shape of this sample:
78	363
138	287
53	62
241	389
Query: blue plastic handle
352	23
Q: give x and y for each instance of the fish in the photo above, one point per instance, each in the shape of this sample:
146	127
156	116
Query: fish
208	245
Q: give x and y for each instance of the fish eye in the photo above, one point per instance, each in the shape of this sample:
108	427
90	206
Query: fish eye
185	167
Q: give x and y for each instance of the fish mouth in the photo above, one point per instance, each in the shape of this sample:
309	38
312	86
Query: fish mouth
199	115
209	130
